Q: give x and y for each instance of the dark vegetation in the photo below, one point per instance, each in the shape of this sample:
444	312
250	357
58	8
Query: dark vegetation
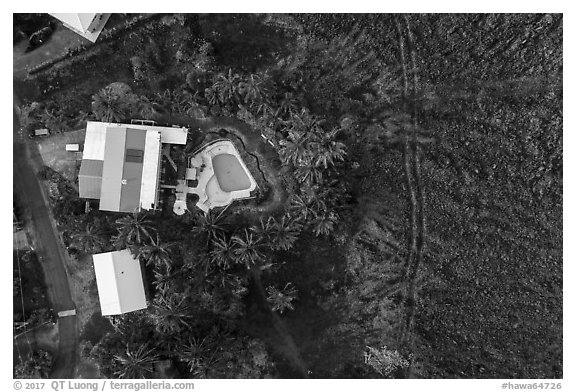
329	92
31	306
36	28
35	364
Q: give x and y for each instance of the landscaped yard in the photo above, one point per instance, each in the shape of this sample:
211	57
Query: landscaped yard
54	155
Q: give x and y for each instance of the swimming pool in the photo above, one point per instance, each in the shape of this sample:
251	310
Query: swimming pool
221	176
230	173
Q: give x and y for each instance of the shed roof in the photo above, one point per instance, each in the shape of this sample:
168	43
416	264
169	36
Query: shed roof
119	281
90	178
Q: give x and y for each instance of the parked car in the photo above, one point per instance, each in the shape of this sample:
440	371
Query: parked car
42	132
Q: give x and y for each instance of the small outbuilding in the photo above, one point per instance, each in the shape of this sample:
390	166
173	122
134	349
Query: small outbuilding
119	281
41	132
73	147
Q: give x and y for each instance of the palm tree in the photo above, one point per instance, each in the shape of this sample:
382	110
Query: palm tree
223	252
306	123
89	241
162	281
308	173
324	223
133	229
248	248
230	282
265	229
315	196
174	101
212	96
113	103
226	86
196	256
282	299
253	89
327	150
285	233
300	208
135	362
199	355
277	234
208	225
156	253
170	314
294	149
288	104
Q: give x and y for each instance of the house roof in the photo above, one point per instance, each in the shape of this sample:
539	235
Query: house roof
80	22
123	169
86	25
119	281
130	154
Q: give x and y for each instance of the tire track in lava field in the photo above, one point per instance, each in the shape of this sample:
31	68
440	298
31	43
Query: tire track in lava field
412	153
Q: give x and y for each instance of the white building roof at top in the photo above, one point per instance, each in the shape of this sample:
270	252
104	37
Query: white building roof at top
119	281
80	22
88	25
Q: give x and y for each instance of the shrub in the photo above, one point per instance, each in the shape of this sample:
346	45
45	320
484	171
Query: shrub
384	361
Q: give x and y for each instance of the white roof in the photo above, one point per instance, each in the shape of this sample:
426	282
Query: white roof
96	136
150	168
83	24
190	173
95	141
72	147
119	281
80	22
173	135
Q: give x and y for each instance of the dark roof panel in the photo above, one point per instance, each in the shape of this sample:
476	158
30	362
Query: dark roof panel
135	139
132	183
132	170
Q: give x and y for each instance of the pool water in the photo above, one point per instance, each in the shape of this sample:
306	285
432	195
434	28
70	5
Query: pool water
230	173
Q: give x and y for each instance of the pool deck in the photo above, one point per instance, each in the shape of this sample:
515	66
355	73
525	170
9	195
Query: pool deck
208	189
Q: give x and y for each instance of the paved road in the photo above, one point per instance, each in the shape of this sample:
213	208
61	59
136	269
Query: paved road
49	250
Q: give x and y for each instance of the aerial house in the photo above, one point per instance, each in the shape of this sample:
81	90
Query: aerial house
119	281
121	164
88	25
